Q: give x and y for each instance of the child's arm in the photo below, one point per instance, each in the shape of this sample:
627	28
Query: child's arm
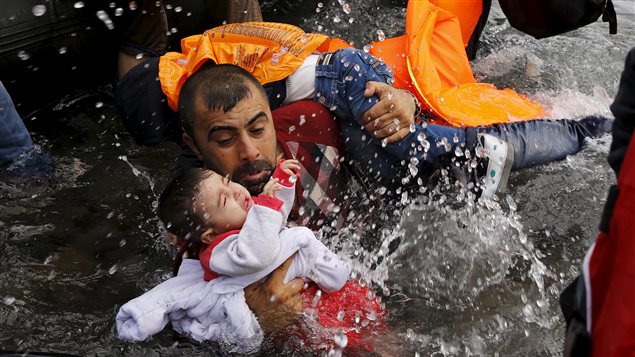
257	244
286	173
316	262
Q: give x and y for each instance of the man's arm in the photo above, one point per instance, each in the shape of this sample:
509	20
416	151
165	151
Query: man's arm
276	304
393	115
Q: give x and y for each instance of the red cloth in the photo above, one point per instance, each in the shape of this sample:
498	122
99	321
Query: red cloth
268	201
284	178
310	133
353	308
611	272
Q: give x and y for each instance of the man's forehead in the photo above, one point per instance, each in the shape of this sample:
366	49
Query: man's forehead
239	115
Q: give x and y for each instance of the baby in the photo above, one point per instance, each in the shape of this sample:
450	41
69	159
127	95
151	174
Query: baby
244	239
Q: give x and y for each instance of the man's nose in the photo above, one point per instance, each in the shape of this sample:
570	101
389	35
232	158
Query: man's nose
249	150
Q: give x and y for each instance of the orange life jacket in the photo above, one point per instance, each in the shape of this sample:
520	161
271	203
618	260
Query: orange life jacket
270	51
430	61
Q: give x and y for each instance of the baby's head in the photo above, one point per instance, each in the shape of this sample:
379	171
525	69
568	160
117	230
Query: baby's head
201	204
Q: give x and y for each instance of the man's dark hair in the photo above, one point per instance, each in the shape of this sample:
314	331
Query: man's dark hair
177	210
220	86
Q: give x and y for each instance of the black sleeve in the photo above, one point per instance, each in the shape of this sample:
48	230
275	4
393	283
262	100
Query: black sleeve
624	110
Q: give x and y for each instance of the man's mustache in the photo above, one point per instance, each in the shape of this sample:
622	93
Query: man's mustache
249	168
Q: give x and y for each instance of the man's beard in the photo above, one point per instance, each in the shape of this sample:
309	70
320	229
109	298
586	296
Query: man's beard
253	167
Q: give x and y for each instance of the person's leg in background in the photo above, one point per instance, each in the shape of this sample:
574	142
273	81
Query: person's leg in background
18	155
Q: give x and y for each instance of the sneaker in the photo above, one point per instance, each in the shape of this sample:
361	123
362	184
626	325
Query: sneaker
499	165
32	163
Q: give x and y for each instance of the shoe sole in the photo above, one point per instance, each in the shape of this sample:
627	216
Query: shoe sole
509	161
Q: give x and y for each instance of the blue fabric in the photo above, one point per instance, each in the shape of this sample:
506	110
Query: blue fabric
340	81
14	137
340	85
540	141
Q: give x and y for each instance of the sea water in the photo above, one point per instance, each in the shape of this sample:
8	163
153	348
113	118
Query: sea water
457	277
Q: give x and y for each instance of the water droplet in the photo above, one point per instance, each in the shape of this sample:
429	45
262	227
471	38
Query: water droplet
62	50
413	166
291	128
274	59
99	104
302	119
348	78
39	10
118	11
350	21
367	48
346	8
178	9
384	142
23	55
103	16
320	5
132	5
458	152
113	269
340	315
78	5
336	19
380	35
8	300
341	339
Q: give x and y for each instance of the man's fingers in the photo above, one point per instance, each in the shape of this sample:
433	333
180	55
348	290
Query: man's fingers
399	135
383	126
374	88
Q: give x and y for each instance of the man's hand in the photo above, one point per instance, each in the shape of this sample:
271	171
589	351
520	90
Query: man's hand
392	116
276	304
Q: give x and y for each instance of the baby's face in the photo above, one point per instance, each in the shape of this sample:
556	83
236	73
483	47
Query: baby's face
223	203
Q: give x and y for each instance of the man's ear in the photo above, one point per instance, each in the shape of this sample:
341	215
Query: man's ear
190	142
208	236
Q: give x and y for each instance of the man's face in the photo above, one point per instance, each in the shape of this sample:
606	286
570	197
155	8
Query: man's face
240	143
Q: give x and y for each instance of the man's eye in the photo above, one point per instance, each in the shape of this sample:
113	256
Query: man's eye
224	141
257	131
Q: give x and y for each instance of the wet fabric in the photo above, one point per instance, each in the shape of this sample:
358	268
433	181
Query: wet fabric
598	306
269	51
14	136
340	81
217	310
540	141
354	310
144	108
547	18
430	62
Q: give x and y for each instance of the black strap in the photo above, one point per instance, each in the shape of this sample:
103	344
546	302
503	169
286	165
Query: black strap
609	206
610	16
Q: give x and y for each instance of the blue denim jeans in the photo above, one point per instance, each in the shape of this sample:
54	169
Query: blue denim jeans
14	137
340	80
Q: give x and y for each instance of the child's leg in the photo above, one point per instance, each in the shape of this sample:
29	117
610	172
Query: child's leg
340	82
540	141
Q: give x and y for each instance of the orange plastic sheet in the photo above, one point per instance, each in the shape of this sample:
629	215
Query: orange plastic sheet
430	61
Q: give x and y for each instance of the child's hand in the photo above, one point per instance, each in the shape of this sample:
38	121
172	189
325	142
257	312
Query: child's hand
271	188
291	166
